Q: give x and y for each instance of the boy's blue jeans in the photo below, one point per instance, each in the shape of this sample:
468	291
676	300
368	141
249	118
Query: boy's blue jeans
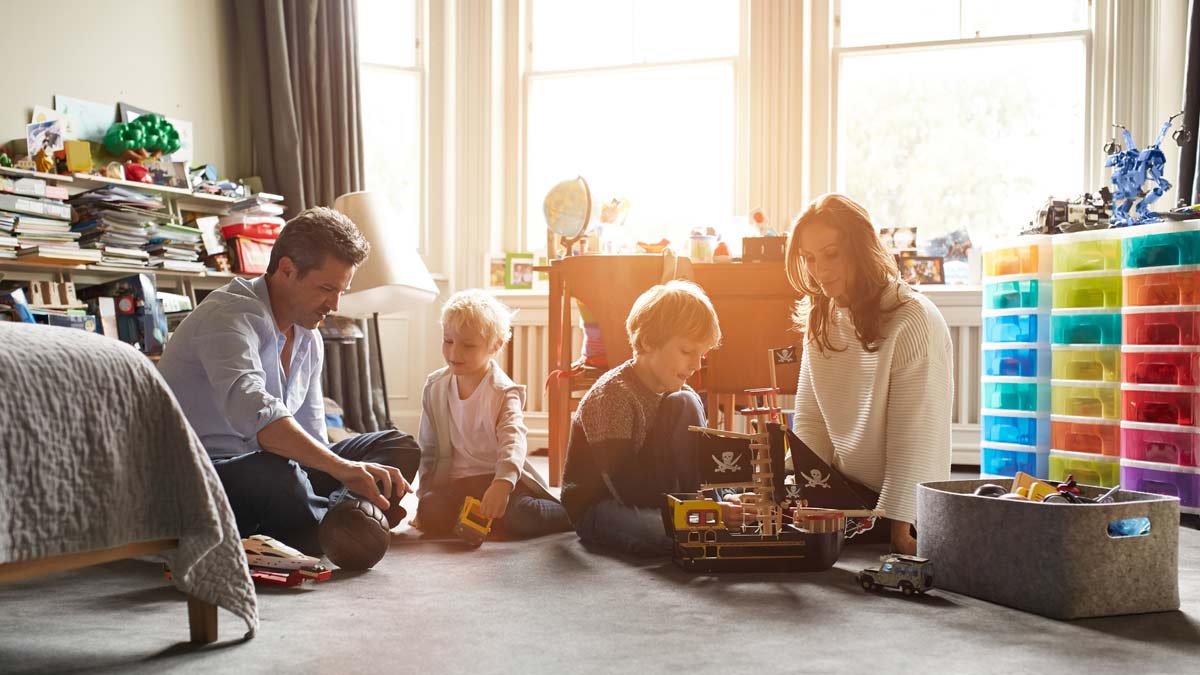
666	463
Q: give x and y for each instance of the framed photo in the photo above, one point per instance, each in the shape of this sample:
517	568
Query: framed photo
497	268
518	270
916	270
171	174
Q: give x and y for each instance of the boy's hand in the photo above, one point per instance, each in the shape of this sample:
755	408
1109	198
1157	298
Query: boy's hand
495	499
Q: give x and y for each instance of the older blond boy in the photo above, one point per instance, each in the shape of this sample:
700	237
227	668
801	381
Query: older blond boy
629	440
473	431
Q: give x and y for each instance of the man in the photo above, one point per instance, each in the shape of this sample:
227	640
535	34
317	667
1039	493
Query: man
246	368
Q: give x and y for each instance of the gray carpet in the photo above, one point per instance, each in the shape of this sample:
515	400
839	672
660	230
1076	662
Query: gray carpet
551	606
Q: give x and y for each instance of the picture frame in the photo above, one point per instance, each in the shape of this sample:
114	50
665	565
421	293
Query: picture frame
922	270
497	269
518	271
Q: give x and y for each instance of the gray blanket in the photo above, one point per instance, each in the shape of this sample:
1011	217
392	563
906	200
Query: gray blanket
95	453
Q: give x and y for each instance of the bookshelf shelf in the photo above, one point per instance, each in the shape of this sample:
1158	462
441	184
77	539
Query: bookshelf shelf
24	173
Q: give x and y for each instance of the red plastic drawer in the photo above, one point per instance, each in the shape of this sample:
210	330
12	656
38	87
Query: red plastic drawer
1180	326
1178	366
1159	404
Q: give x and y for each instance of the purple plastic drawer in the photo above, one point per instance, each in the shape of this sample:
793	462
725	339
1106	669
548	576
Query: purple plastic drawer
1163	479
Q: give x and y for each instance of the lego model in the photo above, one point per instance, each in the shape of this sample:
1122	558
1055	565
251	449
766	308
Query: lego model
909	573
472	527
787	534
273	562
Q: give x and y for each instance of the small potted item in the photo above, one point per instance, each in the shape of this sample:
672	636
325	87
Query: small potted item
910	573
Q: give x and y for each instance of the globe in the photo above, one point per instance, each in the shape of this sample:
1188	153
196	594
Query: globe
568	207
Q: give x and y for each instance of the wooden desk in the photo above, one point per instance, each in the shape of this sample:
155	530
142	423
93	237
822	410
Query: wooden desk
754	304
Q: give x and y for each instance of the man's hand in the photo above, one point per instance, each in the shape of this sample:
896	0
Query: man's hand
376	483
902	539
495	500
739	508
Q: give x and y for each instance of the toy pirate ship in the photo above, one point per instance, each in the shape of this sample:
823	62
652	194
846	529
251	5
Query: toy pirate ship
788	534
273	562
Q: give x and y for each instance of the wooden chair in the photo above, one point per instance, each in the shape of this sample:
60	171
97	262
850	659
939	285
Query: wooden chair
607	285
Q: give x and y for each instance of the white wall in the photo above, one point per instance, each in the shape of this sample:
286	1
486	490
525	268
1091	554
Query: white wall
169	56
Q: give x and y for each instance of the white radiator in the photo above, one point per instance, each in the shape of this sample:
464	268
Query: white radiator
526	361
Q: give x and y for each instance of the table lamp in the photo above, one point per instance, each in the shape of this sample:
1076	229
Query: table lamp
392	279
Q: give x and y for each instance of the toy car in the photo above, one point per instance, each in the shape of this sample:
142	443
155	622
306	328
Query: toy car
909	573
472	527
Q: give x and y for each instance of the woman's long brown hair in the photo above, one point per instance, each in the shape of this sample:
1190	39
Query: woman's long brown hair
874	273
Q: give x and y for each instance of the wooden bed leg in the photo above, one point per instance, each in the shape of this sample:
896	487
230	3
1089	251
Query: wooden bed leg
202	618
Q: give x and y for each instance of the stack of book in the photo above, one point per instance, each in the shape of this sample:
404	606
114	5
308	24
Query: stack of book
42	228
8	243
175	247
124	225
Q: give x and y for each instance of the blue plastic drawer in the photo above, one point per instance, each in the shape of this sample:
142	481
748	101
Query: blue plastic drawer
1002	459
1016	359
1017	294
1015	326
1006	426
1085	327
1178	245
1013	393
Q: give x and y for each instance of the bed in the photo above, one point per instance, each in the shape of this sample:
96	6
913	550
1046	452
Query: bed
98	463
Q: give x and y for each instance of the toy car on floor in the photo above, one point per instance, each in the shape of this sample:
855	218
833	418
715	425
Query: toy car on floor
910	573
472	526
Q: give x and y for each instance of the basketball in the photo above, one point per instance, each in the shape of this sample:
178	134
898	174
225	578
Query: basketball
354	534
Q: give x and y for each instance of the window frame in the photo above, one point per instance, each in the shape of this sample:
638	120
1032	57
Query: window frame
522	224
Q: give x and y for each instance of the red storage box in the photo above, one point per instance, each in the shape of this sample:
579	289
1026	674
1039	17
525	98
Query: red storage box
250	256
1161	364
255	229
1160	404
1163	443
1179	325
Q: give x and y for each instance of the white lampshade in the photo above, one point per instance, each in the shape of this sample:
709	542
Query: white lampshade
394	277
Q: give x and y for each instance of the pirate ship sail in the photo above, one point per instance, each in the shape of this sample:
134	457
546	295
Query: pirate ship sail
787	535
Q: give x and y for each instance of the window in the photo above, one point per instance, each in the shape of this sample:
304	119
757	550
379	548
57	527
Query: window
960	113
391	90
639	97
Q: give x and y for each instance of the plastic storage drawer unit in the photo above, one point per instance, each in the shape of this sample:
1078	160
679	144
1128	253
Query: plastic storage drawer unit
1026	292
1015	359
1161	364
1088	251
1016	325
1022	255
1091	435
1155	286
1084	327
1164	479
1080	398
1015	427
1160	404
1179	325
1163	245
1080	290
1087	469
1162	443
1016	393
1100	364
1005	460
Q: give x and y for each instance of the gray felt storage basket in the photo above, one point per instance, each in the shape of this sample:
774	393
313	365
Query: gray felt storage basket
1056	560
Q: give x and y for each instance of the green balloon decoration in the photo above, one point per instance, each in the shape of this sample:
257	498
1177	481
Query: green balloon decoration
152	132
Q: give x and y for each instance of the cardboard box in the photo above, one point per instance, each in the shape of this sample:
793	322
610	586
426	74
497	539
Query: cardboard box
1056	560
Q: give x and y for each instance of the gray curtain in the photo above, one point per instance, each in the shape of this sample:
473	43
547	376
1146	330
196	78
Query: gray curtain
1189	163
300	59
348	377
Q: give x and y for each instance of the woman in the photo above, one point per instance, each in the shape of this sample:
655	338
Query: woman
876	386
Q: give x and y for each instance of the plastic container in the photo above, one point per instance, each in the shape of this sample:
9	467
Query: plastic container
1162	245
1164	479
1162	443
1022	255
1080	398
1161	364
1084	327
1087	469
1023	292
1179	325
1016	393
1079	290
1015	325
1160	404
1156	286
1006	459
1015	359
1094	251
1015	428
1087	362
1088	435
1057	560
255	227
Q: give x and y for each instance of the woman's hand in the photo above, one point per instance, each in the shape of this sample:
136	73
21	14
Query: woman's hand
902	539
495	500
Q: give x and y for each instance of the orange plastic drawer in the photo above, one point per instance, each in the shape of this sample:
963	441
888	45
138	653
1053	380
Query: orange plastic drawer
1152	286
1023	255
1085	434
